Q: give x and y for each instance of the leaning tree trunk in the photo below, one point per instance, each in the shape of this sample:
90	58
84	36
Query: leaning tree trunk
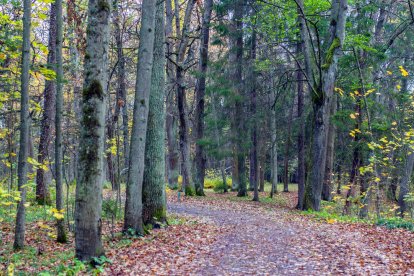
321	98
46	128
88	204
200	159
133	205
153	188
22	166
61	235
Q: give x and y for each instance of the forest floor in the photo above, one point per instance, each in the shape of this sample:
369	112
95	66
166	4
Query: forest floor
221	234
259	238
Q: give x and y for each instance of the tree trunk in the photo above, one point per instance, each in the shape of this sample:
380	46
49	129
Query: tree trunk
22	166
253	109
236	64
88	204
304	47
328	179
121	89
46	129
133	205
188	184
356	159
61	235
321	98
200	159
404	183
171	122
153	189
287	149
273	129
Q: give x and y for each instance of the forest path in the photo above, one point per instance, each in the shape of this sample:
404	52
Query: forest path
260	239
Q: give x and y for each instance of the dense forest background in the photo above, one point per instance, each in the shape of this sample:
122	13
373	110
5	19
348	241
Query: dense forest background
108	107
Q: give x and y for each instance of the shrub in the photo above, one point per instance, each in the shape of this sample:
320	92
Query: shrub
393	223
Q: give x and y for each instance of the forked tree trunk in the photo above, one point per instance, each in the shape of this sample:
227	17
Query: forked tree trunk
88	203
321	98
133	204
153	188
22	166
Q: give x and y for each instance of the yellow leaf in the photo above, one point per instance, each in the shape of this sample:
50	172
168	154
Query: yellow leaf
389	73
330	220
404	72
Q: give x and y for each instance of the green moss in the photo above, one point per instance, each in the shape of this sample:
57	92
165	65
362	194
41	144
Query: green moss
94	90
336	43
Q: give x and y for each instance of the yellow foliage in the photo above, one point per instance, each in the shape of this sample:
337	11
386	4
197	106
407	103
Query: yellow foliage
404	72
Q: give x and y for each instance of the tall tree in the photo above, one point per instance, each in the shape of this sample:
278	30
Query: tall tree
171	120
321	99
236	64
88	204
188	184
61	235
22	166
153	188
200	159
133	205
42	194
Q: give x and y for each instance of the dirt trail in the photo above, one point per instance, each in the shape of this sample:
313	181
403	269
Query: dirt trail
275	241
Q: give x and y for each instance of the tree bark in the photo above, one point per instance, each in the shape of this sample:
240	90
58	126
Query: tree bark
46	129
236	64
329	167
287	149
253	110
188	184
153	189
171	121
273	129
133	205
61	234
321	98
404	183
200	159
22	166
88	203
